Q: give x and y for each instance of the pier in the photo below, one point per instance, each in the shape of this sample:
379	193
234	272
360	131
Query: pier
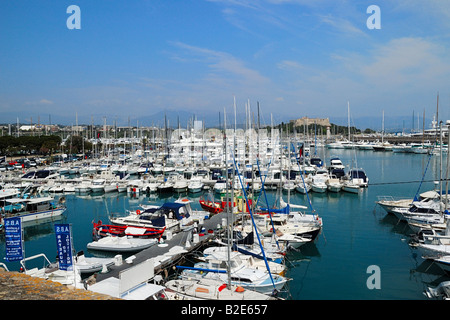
167	254
418	138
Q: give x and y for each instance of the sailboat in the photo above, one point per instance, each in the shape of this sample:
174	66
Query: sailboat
208	289
356	177
382	146
241	275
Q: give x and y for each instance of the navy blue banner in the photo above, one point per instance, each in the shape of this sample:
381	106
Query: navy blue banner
64	246
13	239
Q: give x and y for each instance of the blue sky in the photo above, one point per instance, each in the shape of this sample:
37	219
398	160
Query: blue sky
295	57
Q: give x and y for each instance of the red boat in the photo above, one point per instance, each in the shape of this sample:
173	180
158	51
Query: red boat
211	206
102	230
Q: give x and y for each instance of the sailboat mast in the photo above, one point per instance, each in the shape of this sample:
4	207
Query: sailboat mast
227	200
348	119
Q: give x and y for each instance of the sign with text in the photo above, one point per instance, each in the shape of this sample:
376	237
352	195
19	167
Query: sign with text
13	239
64	246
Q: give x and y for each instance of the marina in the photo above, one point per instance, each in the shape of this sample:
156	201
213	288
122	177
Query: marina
357	232
225	150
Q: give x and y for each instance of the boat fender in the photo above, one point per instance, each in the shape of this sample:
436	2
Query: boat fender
138	211
240	289
222	287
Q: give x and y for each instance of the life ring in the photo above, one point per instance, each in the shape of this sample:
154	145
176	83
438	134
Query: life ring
138	211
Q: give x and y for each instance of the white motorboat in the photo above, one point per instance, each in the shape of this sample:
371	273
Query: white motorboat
69	187
335	163
388	203
318	183
303	186
121	187
134	187
180	185
195	185
334	185
110	187
57	188
151	187
424	208
83	187
349	186
32	209
166	186
431	243
97	186
91	264
296	226
358	177
121	244
251	257
220	186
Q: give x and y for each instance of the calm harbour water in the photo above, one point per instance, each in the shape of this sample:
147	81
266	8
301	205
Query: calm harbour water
357	233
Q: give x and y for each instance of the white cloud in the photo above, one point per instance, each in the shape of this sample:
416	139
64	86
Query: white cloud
223	65
400	73
341	25
45	101
407	61
42	102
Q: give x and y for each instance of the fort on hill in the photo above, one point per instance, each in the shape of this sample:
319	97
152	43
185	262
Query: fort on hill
307	121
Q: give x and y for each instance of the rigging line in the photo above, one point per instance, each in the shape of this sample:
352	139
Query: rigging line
265	195
423	176
251	215
304	185
400	182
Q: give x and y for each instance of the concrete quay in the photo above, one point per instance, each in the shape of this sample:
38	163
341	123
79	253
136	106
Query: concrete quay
172	251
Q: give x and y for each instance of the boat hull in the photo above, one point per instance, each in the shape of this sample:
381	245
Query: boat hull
33	216
121	244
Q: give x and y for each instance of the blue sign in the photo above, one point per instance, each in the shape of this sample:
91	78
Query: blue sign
64	246
13	239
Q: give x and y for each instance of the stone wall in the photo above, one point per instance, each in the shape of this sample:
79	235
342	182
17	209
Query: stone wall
19	286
